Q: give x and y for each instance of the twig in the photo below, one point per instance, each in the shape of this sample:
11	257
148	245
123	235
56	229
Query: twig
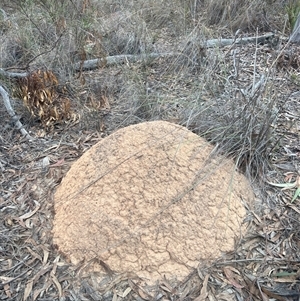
254	68
12	113
235	66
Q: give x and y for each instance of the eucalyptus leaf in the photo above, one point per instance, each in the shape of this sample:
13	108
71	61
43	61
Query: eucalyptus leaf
297	193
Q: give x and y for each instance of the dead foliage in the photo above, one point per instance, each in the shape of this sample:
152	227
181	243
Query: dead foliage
41	96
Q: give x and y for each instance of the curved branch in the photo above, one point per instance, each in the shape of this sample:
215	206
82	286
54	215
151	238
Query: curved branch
12	113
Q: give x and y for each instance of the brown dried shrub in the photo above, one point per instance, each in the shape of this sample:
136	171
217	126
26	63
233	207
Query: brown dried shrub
40	94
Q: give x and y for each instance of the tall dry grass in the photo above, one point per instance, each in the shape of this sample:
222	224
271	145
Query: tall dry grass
192	88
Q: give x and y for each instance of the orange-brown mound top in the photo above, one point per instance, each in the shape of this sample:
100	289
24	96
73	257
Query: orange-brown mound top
150	199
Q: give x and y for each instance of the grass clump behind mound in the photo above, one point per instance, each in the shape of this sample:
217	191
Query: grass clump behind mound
241	124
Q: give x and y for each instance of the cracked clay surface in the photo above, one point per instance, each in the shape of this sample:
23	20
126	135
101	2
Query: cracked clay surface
150	199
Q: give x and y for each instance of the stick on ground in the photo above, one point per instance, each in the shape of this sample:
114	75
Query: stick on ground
12	113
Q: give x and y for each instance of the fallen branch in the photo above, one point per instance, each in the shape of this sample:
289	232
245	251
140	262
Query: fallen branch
126	58
12	113
12	74
238	41
119	59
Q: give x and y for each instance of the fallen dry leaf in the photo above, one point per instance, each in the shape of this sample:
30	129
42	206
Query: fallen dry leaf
57	284
139	290
203	292
58	163
34	254
6	279
43	271
264	297
28	289
46	255
37	292
232	277
7	290
126	292
31	213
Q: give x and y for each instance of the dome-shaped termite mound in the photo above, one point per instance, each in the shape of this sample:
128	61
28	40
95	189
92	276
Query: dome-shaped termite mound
151	199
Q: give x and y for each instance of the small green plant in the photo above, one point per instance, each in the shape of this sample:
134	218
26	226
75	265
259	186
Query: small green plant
293	10
295	78
286	186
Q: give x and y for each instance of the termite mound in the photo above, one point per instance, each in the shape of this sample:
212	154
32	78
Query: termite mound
152	199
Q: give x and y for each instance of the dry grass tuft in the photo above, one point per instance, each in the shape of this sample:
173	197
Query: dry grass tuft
241	125
244	15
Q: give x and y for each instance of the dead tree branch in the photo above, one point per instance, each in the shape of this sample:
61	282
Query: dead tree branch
239	41
12	113
12	74
123	59
119	59
127	58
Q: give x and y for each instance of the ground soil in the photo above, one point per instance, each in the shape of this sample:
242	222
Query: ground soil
150	199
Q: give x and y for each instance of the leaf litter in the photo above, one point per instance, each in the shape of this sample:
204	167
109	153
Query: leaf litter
265	264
